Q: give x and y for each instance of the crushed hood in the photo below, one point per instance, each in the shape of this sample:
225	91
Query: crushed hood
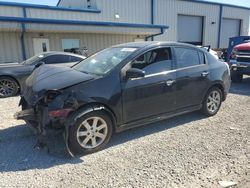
48	77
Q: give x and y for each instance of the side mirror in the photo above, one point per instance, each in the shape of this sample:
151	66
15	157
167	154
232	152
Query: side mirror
38	64
135	73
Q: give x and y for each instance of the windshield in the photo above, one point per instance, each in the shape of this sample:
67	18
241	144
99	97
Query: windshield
104	61
33	59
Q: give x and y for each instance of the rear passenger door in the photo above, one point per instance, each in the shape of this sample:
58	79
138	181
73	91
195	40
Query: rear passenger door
192	76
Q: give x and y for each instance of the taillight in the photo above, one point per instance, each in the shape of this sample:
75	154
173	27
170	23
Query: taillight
60	113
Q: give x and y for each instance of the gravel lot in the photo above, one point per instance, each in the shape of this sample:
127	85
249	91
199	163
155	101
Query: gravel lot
186	151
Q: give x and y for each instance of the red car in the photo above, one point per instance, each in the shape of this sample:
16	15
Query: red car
240	62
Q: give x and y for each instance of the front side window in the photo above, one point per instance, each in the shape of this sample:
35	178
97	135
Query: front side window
154	61
104	61
186	57
55	59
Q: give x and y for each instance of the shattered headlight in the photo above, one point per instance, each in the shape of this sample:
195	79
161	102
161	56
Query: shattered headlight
51	95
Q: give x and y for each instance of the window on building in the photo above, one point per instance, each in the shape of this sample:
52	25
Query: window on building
186	57
69	45
154	61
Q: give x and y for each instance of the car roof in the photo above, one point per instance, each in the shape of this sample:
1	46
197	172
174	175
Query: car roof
152	44
61	53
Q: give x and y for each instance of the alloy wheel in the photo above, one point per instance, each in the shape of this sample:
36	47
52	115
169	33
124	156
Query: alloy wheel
7	88
213	101
92	132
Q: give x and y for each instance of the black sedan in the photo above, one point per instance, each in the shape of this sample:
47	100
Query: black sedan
12	75
123	87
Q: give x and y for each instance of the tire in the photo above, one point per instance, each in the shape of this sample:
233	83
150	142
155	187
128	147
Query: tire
8	87
212	102
236	77
85	125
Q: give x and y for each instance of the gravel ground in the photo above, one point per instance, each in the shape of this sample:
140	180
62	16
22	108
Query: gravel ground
185	151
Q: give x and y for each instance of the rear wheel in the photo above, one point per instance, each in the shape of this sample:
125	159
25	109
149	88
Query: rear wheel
236	77
8	87
212	102
90	133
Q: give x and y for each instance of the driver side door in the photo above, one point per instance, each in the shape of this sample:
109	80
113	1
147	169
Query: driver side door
154	93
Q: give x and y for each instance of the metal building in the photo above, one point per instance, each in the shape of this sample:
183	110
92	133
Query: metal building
27	29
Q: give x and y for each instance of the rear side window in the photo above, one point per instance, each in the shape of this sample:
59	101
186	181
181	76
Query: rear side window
202	58
75	59
55	59
186	57
154	61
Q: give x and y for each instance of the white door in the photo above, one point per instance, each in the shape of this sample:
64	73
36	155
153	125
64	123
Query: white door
229	28
190	29
40	45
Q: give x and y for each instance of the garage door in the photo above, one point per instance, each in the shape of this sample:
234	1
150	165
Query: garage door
229	28
190	29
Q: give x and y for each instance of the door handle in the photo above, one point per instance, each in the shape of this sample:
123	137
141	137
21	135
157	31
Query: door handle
170	82
205	74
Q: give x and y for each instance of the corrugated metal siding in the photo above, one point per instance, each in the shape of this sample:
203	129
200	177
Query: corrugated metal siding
11	11
130	11
167	13
94	42
10	47
236	13
77	3
10	27
90	29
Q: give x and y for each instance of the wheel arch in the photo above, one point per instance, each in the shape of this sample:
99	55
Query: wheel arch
220	86
93	107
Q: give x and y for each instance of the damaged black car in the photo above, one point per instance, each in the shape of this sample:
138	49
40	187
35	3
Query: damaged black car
122	87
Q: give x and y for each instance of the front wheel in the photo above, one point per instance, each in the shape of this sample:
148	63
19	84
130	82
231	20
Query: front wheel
90	133
212	102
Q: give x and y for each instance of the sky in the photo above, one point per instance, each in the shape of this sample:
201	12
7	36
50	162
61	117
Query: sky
54	2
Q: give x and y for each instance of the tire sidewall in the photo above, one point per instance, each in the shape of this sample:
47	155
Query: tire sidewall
75	147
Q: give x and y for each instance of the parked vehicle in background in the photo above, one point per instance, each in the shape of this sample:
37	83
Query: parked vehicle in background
240	62
123	87
234	41
12	75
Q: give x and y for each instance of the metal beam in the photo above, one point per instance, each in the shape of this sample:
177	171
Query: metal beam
75	22
220	25
22	35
